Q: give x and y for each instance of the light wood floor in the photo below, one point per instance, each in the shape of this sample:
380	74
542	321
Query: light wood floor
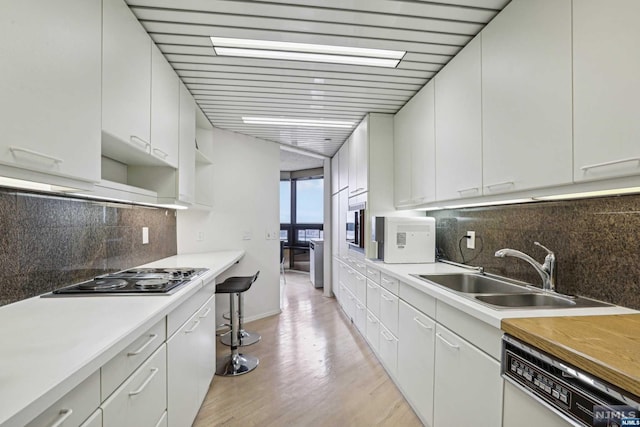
315	370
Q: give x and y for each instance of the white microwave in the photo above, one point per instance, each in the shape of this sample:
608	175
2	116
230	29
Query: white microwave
405	240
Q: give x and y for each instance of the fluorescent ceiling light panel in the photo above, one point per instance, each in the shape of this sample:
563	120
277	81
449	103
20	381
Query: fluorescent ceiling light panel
265	49
280	121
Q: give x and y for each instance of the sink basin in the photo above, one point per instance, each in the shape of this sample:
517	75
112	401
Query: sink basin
537	300
473	283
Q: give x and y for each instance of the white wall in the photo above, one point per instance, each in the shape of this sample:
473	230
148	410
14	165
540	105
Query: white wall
246	195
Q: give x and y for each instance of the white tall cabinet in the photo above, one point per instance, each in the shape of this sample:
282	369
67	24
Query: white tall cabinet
526	97
606	88
164	109
50	86
458	125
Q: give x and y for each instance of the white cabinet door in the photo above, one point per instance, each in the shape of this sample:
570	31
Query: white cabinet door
373	298
165	103
126	80
95	420
344	208
522	410
183	375
187	147
467	384
526	97
205	347
50	86
458	124
606	89
389	310
414	150
360	317
388	350
335	173
360	287
416	355
142	399
373	332
335	226
361	136
343	164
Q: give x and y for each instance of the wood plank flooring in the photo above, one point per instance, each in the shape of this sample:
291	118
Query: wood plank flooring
315	370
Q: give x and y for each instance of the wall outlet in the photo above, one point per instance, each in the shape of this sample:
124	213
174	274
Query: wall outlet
247	235
145	235
471	239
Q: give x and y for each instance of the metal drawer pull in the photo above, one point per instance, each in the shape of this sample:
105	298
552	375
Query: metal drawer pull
145	345
429	328
195	326
359	265
613	162
137	140
370	286
387	280
386	336
386	298
63	415
466	190
35	153
500	184
206	313
457	347
158	152
371	319
146	382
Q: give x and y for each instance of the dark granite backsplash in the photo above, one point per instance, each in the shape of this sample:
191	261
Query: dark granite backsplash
596	241
47	241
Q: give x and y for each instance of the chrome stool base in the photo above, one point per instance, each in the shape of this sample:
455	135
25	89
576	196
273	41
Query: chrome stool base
236	364
245	338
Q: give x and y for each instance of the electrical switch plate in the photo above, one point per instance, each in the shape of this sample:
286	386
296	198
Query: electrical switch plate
247	235
200	237
145	235
471	239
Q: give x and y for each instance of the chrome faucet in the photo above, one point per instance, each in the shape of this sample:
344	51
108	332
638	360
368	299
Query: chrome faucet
547	271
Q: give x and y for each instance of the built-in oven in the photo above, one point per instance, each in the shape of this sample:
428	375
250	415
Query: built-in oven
575	395
355	225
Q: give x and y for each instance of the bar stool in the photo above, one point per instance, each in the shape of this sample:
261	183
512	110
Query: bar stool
235	363
245	338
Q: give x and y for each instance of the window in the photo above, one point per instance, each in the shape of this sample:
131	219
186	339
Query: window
301	211
309	201
285	202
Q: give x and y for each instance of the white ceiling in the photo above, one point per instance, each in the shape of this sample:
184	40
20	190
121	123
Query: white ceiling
227	88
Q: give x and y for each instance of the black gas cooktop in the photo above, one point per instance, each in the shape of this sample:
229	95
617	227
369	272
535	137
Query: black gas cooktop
136	281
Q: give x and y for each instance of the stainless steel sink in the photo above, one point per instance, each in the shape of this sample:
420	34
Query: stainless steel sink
473	283
538	300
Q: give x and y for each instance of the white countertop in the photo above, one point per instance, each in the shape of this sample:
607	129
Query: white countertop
50	345
478	310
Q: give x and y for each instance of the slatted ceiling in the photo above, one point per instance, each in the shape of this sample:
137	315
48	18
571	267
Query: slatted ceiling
228	88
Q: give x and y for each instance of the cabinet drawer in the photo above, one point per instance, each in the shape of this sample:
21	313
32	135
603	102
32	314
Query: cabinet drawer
142	399
360	266
177	317
360	317
95	420
388	349
115	371
373	274
423	302
360	287
373	331
389	283
389	310
74	407
373	298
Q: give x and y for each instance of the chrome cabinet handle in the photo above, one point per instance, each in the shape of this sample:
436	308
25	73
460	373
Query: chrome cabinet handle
195	326
457	347
422	325
63	415
612	162
146	382
386	298
359	265
370	286
371	319
159	153
139	141
15	150
386	336
466	190
143	346
500	184
206	313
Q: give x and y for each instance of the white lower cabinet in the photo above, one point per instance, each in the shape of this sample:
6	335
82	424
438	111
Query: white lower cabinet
373	298
360	318
388	350
189	376
522	410
373	331
142	399
467	384
389	311
95	420
73	408
416	346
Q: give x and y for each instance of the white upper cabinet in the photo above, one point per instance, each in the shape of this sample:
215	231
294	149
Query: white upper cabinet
458	125
359	158
606	88
526	97
165	104
126	84
187	169
343	165
414	150
335	173
50	86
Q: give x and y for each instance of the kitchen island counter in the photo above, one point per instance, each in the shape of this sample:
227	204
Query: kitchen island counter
50	345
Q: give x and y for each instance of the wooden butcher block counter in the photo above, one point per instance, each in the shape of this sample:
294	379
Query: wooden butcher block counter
608	347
